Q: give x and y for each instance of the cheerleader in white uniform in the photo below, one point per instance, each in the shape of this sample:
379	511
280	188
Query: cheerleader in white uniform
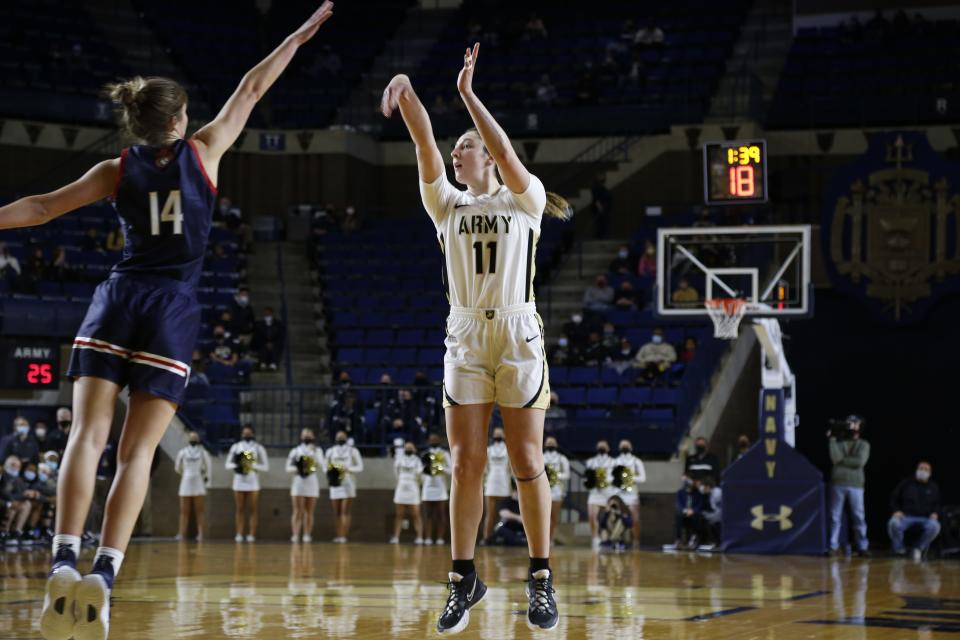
496	487
434	494
630	495
303	463
195	467
408	469
246	486
601	466
561	473
346	457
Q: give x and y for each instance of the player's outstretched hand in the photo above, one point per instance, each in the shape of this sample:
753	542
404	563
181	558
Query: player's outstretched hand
465	79
309	28
391	95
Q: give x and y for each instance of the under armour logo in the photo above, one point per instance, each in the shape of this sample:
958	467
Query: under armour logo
759	517
490	313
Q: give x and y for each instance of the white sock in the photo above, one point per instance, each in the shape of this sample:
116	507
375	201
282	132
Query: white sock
113	555
71	542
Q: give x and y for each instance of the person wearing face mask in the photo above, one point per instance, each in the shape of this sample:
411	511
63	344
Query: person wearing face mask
40	524
702	463
434	494
496	487
21	442
268	339
41	432
622	264
656	357
343	461
599	477
688	522
242	313
246	482
634	474
743	445
408	470
563	354
712	514
52	460
303	462
849	453
609	339
15	495
622	358
195	467
558	472
915	503
647	265
599	297
626	298
57	436
577	332
41	495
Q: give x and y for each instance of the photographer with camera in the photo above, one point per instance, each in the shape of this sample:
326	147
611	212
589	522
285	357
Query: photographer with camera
849	453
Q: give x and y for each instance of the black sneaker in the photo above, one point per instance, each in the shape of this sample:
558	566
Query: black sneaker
465	591
542	609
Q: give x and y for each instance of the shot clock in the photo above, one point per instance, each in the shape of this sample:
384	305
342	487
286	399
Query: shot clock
29	364
735	172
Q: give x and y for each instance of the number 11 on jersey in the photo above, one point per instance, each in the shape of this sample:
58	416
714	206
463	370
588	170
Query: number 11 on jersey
172	212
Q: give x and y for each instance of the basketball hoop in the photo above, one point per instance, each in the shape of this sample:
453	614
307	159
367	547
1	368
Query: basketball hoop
726	314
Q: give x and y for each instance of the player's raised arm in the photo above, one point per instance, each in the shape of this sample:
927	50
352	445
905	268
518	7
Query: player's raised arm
495	139
98	183
400	93
220	134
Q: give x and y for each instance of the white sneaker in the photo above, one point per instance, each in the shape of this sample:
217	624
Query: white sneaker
439	541
418	541
307	538
93	609
393	540
340	540
238	538
595	543
251	538
178	538
428	541
294	539
917	555
57	619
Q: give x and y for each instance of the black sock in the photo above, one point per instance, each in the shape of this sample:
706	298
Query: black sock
539	564
464	567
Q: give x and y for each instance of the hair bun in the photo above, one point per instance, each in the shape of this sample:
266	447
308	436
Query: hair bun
128	93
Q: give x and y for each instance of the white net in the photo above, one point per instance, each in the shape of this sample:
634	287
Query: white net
726	314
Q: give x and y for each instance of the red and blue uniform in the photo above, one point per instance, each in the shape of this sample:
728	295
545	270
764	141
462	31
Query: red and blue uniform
143	321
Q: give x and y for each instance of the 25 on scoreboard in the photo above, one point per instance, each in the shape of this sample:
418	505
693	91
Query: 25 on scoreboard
29	364
735	172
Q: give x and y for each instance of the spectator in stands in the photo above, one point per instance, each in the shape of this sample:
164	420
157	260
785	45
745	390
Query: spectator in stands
9	266
39	525
626	298
685	295
20	443
556	415
224	350
52	460
602	205
689	522
508	531
849	454
586	87
352	222
323	222
115	240
343	387
702	464
35	271
656	357
535	29
57	438
622	264
60	269
636	72
41	432
609	340
576	331
92	242
16	497
595	353
268	339
563	355
242	313
546	93
616	524
712	513
346	414
622	358
647	265
198	365
915	503
649	36
599	297
689	350
743	445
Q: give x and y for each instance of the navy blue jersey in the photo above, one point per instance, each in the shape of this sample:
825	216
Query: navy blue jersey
165	201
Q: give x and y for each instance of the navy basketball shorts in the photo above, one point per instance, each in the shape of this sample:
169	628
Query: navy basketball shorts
139	332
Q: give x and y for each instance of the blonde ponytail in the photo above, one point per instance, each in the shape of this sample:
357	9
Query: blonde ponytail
557	207
145	106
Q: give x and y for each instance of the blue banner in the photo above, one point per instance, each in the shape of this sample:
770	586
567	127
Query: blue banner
773	498
891	227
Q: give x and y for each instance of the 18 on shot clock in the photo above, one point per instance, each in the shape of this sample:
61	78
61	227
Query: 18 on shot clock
29	364
735	172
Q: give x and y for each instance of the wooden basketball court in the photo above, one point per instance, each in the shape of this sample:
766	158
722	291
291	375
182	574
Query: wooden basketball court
220	590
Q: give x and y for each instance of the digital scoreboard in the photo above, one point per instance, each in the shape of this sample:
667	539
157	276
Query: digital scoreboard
735	172
29	364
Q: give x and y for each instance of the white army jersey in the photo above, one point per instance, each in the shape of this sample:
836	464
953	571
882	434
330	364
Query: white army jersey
489	242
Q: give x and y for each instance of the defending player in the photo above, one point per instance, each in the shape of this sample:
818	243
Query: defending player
141	326
495	353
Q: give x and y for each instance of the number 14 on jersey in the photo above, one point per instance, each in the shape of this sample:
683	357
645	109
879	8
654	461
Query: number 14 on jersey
171	212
